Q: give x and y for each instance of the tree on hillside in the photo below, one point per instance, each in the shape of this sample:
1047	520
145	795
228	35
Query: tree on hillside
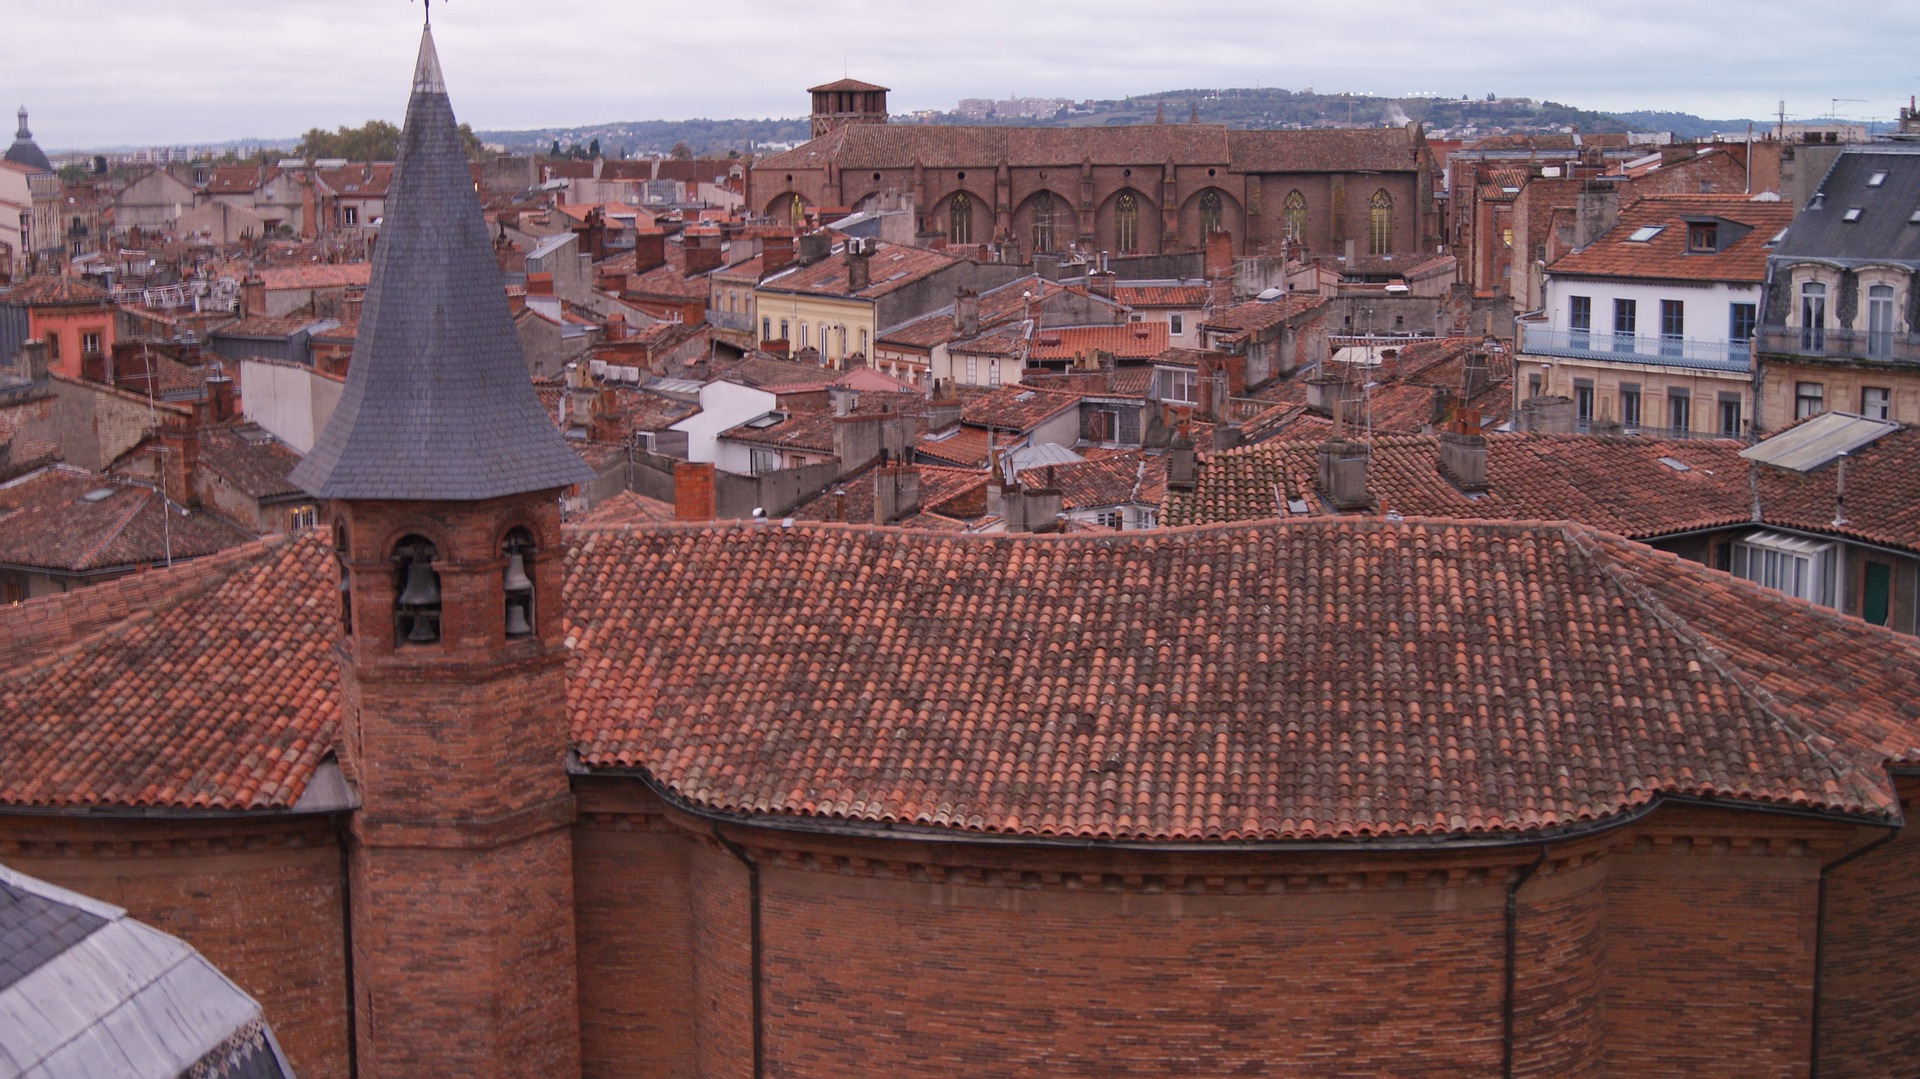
375	140
680	152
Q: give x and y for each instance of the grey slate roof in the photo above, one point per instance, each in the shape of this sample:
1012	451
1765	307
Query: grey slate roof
438	403
24	150
1884	231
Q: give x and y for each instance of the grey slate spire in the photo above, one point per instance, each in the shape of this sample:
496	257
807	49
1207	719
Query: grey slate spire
438	404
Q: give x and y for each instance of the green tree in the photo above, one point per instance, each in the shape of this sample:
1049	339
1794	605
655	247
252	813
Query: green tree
680	152
593	148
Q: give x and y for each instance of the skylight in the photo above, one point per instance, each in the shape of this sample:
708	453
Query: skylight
1853	214
1646	232
1914	218
1878	178
98	494
1676	464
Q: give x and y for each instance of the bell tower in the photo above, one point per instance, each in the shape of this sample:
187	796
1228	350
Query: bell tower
441	477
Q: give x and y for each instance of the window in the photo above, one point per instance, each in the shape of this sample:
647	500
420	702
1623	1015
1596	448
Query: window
796	211
1876	402
1630	406
1533	386
802	328
1210	214
1580	318
1179	385
1645	232
300	518
1853	214
1673	327
1876	592
784	332
1043	221
53	346
1582	403
516	583
350	215
1380	224
993	372
1293	217
1801	568
1809	399
1879	177
1703	237
1108	519
1126	222
89	343
973	370
763	461
1174	325
1880	320
1730	415
1679	412
1102	425
1626	314
1741	319
1813	316
960	219
863	342
766	329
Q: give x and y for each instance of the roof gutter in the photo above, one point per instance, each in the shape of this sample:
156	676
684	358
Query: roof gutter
934	834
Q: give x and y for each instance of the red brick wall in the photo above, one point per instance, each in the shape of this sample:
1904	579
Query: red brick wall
1870	991
259	898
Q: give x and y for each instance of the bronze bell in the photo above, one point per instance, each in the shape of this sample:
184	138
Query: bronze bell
423	631
517	620
516	579
423	588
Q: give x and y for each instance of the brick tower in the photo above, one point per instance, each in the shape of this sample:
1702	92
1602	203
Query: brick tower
442	477
848	101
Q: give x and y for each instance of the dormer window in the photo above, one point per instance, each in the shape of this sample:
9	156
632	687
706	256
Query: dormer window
516	584
1703	237
416	608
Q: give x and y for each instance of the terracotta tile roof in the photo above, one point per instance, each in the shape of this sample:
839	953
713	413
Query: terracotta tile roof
210	685
1263	314
318	275
48	523
764	371
277	326
254	462
997	306
1161	295
1127	341
812	431
891	268
1185	357
358	181
239	179
965	447
1403	402
940	487
1665	256
1389	149
627	508
1112	382
50	291
669	280
876	146
1882	494
1016	408
1253	682
1618	484
1132	477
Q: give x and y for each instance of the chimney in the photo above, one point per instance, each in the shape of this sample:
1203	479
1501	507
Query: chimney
1547	415
649	250
180	458
1180	466
1100	283
603	417
351	303
1596	209
34	353
1389	367
844	400
1343	473
857	439
1474	376
1463	453
702	250
1326	393
813	247
693	491
1030	509
539	284
896	493
775	252
1219	268
966	312
253	296
858	268
219	396
943	415
516	299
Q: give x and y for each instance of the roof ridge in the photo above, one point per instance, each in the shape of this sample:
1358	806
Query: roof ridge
112	532
1582	539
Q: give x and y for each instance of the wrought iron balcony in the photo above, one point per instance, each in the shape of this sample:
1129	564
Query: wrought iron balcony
1683	352
1824	342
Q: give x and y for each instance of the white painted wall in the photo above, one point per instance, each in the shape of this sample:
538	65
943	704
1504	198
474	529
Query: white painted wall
723	405
1708	305
291	402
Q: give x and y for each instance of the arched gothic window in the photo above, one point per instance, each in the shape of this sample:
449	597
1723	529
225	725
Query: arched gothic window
1210	214
796	211
960	219
1380	223
1293	213
1126	223
341	552
1043	221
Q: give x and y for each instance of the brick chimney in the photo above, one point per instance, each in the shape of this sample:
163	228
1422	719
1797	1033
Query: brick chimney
1030	509
859	256
693	498
702	250
179	460
219	389
1463	452
1342	473
813	247
603	417
896	493
34	355
1547	415
539	284
649	250
1100	283
351	303
1219	268
253	296
1181	469
857	439
775	252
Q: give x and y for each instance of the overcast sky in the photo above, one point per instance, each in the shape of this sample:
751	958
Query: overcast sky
99	72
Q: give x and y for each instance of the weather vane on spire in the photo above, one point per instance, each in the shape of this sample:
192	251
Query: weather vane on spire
426	10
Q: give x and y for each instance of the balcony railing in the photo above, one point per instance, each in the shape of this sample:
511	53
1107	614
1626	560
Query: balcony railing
1835	343
1659	351
729	320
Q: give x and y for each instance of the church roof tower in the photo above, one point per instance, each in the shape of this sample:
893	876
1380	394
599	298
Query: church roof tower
24	150
438	404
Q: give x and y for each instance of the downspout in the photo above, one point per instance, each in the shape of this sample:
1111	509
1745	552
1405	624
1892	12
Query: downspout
1513	948
346	937
1820	935
753	946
